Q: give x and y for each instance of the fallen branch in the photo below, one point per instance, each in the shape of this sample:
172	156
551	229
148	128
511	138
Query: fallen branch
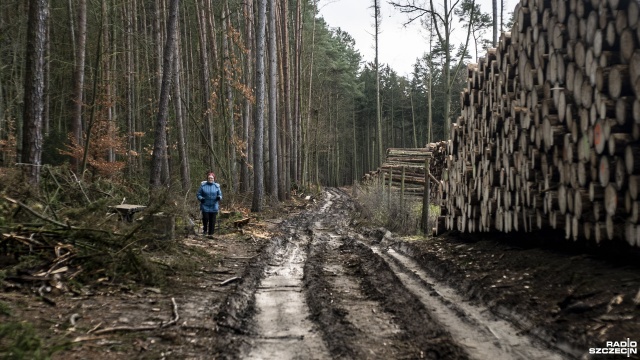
87	338
35	213
54	222
29	241
175	319
230	280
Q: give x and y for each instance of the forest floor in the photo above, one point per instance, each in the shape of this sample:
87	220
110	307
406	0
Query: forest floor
309	282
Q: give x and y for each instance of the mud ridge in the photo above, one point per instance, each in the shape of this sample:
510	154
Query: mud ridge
321	305
382	284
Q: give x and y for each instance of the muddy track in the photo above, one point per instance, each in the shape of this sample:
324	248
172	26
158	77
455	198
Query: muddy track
324	290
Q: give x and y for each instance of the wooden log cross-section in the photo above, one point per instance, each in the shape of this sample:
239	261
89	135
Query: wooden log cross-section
549	131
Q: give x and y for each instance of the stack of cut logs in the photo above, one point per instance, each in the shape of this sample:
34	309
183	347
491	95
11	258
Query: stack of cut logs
550	126
413	162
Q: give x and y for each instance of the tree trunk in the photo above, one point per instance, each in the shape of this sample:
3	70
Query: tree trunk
228	76
297	97
305	127
130	86
376	20
78	79
494	43
258	161
246	116
185	172
34	89
286	61
273	102
207	113
160	133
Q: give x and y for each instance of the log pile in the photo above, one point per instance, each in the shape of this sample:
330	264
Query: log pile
548	137
413	163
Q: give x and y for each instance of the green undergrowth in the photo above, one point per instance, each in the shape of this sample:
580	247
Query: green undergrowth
19	340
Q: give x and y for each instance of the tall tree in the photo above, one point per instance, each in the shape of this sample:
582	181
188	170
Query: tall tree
479	24
286	64
304	127
229	84
78	77
494	6
297	96
207	110
34	96
258	161
443	24
183	156
273	101
160	133
248	76
377	18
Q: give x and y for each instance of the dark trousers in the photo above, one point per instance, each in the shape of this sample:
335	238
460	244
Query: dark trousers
208	222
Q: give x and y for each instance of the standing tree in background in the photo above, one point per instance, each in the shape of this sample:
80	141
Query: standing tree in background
258	148
377	18
206	92
443	24
494	7
160	134
286	70
273	101
247	102
183	156
77	100
479	23
297	96
228	71
34	96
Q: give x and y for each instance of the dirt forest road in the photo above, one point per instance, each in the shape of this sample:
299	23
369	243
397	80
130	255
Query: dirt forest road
331	291
316	284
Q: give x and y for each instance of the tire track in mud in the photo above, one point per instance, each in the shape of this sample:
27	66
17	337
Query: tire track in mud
283	330
364	311
471	326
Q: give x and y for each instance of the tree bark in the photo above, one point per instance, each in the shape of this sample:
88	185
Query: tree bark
286	64
229	106
160	133
246	116
376	20
273	102
183	156
34	96
258	164
78	79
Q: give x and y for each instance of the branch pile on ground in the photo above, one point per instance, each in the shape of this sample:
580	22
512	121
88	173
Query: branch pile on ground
46	253
550	123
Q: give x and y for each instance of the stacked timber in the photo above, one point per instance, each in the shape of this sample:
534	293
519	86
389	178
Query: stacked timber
548	136
411	162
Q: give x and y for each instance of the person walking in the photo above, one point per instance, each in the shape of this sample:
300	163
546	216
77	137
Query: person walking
209	196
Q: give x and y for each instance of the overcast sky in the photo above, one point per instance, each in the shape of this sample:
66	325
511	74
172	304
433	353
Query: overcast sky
400	45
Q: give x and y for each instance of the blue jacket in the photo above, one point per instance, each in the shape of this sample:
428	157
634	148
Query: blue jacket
209	195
